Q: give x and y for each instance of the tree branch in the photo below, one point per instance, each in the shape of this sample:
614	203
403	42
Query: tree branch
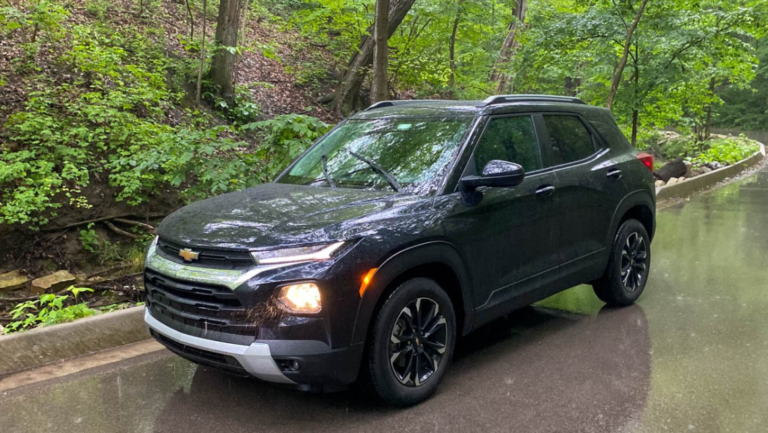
625	55
121	231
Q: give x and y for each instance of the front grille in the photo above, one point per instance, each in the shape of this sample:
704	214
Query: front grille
203	357
208	257
206	307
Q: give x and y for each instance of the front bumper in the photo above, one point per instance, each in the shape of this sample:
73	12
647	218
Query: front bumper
255	359
322	368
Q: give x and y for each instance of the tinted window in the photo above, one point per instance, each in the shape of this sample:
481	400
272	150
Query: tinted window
612	133
509	139
569	139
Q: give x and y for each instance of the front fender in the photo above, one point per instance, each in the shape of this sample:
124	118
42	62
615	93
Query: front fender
396	264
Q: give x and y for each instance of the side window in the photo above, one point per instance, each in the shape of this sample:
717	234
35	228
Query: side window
510	139
569	139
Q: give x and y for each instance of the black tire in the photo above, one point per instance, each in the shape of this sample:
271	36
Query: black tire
388	376
628	267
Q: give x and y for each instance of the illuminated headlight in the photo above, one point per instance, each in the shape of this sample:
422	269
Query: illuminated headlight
314	253
300	298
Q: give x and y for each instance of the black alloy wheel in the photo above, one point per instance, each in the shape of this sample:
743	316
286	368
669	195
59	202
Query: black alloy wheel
418	342
628	267
412	342
633	258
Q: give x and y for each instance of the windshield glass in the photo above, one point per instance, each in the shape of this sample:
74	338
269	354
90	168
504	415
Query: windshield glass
368	154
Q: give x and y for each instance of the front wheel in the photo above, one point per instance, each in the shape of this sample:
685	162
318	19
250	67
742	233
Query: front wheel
412	343
627	273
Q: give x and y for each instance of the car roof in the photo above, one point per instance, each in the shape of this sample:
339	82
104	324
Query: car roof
498	104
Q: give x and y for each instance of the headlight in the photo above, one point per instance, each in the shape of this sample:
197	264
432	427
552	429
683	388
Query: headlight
314	253
300	298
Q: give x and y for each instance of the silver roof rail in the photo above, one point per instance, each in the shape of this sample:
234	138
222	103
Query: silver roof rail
383	104
502	99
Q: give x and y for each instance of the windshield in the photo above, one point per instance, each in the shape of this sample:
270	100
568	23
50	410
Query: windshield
405	154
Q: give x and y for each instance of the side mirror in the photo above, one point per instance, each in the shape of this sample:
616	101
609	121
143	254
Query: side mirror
496	173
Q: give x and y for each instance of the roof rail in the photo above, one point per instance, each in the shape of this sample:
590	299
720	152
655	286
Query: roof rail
383	104
501	99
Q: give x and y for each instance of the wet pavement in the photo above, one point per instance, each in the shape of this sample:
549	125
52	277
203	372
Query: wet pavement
692	355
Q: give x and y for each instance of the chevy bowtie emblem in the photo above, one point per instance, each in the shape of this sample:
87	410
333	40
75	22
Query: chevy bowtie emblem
188	255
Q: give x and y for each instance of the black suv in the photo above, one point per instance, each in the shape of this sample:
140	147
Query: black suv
407	225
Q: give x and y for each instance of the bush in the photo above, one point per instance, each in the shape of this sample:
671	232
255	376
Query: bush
115	102
48	309
285	137
678	147
726	151
113	114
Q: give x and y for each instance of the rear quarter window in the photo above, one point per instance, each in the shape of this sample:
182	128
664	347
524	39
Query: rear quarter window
611	134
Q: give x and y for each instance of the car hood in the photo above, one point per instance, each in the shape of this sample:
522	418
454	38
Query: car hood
280	214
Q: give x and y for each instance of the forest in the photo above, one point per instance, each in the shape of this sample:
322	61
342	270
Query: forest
113	113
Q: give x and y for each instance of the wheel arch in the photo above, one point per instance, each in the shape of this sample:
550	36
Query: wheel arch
437	260
637	205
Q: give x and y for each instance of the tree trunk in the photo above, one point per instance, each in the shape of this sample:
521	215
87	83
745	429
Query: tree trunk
379	90
708	125
509	46
244	22
223	63
202	57
625	55
635	109
572	85
635	115
346	93
191	20
452	48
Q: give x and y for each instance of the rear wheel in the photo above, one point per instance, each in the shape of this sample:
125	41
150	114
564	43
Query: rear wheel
627	273
412	343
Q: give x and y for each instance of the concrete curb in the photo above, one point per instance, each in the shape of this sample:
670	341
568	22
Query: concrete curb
41	346
704	181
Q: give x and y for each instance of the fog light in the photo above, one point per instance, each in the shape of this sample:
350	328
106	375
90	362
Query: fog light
300	298
289	365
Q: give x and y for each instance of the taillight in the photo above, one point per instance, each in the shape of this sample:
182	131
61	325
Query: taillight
646	159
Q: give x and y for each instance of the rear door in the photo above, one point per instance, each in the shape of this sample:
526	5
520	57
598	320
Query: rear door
589	188
509	237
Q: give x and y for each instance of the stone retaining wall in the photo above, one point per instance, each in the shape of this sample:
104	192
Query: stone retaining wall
41	346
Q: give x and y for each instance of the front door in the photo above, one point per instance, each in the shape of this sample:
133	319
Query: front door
508	238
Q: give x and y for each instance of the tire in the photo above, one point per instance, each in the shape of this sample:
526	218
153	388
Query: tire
410	307
628	267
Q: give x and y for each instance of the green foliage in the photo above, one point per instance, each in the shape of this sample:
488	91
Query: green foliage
726	151
284	138
70	130
89	239
49	309
746	106
97	8
112	119
680	147
241	110
32	18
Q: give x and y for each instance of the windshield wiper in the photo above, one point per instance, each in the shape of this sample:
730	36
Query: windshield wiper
324	161
377	168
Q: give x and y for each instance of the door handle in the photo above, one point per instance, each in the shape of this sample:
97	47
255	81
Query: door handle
614	174
545	191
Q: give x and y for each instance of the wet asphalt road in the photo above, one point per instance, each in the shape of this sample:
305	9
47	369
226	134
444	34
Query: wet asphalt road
691	356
